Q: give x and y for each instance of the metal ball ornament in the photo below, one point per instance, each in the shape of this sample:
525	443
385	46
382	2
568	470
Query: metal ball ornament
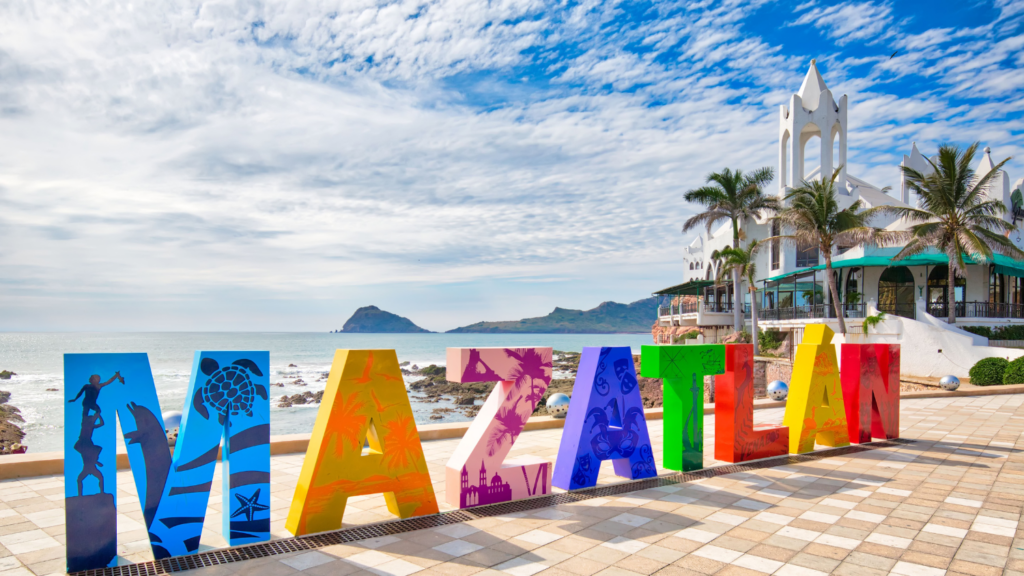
172	420
778	390
558	405
949	383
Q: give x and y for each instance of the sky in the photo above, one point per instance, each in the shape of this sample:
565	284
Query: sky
251	165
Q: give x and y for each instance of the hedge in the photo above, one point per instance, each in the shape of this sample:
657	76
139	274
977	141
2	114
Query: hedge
989	371
1014	372
1015	332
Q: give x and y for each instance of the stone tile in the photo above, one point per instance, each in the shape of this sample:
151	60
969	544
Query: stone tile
307	560
456	548
910	569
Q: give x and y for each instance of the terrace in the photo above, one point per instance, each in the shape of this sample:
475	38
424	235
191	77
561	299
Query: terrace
990	294
948	499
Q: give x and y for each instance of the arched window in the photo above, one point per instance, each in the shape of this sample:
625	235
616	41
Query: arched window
896	292
691	265
938	292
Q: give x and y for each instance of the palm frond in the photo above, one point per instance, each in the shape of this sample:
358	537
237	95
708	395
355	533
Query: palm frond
760	177
1000	244
707	219
705	196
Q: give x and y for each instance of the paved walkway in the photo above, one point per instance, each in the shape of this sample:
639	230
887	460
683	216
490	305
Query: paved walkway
948	503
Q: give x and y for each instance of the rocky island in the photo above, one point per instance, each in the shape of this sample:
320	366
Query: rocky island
606	318
373	320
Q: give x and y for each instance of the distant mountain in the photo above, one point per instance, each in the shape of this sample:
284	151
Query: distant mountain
607	318
370	319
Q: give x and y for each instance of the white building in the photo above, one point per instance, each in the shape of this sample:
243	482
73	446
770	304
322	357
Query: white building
792	289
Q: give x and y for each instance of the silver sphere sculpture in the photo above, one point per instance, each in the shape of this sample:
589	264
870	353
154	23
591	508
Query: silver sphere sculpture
172	421
949	383
778	390
558	405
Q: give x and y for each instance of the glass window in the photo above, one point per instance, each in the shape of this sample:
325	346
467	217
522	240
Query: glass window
776	231
785	299
896	292
853	284
806	255
938	295
996	286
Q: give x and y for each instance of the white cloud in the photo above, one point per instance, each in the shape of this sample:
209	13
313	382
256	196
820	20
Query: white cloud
849	21
251	164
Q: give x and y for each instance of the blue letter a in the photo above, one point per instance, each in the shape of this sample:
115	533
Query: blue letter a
605	422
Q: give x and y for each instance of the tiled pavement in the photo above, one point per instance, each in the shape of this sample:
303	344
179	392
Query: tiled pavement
949	503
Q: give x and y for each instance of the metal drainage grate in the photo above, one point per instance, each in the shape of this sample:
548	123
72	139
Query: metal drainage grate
312	542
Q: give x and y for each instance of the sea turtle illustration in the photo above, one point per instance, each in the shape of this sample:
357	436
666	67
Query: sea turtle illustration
229	390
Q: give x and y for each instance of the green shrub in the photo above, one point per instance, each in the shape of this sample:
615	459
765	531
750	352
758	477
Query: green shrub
769	339
979	330
691	335
1008	333
1014	373
989	371
433	370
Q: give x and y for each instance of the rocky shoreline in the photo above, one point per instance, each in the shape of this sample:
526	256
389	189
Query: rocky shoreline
428	385
433	387
11	434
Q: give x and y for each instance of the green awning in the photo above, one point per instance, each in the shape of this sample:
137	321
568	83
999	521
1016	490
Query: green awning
1009	266
691	288
1004	264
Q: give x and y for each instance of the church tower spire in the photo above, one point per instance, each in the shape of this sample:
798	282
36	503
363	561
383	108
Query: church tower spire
812	112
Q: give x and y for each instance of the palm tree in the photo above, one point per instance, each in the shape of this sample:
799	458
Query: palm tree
814	217
735	196
741	260
956	215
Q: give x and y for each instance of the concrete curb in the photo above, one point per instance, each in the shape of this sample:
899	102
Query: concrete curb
50	463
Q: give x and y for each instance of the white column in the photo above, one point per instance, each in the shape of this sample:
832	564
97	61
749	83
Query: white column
841	182
796	157
783	160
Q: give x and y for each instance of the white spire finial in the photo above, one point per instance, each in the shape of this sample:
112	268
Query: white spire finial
813	86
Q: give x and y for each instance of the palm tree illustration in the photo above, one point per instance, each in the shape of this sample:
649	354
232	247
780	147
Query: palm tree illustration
510	422
531	368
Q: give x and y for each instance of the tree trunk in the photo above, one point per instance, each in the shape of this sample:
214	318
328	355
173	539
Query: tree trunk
737	306
835	295
753	320
951	296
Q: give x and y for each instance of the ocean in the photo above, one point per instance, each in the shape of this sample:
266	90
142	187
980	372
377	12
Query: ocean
37	358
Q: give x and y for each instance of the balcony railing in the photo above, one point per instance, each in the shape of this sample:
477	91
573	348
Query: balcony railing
811	312
719	307
937	309
672	310
904	310
977	310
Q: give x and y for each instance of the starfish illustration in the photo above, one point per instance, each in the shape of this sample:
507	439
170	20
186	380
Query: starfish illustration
249	506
